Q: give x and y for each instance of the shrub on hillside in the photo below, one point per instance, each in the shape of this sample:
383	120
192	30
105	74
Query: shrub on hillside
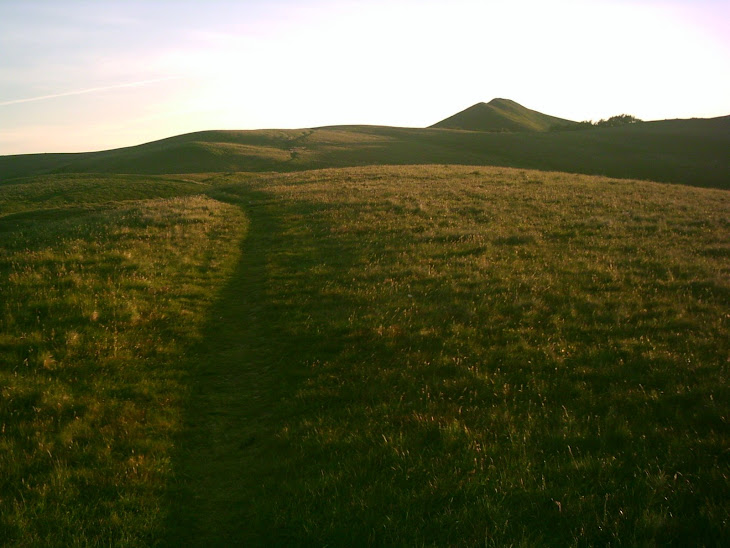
619	120
613	121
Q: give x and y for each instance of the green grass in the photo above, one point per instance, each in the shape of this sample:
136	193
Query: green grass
459	356
691	152
57	192
97	307
420	356
502	115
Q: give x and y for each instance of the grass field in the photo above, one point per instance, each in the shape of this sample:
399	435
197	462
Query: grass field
426	356
691	152
98	302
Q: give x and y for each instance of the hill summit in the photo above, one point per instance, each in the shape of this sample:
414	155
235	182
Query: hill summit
501	115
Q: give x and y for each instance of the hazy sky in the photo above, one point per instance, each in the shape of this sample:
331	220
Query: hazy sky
92	75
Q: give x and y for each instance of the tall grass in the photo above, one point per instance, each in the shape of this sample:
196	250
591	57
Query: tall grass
97	306
467	357
435	356
83	190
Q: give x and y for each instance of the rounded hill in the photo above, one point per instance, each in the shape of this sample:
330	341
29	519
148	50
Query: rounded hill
501	115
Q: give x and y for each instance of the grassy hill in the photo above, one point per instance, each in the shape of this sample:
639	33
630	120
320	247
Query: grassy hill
692	152
501	115
424	355
363	335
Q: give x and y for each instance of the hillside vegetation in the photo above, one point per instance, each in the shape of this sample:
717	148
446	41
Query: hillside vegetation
502	115
424	355
104	283
692	152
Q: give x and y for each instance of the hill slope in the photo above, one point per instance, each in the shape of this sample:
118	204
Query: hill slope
692	152
501	115
418	355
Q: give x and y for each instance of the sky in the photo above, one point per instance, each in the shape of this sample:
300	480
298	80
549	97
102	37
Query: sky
94	75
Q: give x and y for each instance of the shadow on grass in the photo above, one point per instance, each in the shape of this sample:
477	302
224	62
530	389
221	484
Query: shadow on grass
243	376
403	427
229	420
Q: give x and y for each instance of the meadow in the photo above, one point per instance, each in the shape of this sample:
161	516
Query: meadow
413	355
691	152
98	300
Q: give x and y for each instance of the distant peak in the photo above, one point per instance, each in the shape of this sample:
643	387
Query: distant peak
501	101
499	115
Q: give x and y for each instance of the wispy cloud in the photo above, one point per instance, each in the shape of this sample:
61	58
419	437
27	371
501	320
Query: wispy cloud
88	90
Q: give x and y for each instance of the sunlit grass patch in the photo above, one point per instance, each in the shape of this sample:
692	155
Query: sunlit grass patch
97	307
60	191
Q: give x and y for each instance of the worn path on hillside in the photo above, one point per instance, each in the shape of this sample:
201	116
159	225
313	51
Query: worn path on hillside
231	417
